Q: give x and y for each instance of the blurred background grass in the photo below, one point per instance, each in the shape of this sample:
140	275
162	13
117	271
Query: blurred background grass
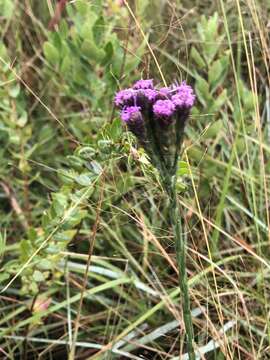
72	182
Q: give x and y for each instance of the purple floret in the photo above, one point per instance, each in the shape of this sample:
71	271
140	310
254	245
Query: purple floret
184	97
149	94
124	97
143	84
164	108
131	114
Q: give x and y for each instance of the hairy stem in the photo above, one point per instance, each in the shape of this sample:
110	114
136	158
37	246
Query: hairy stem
181	262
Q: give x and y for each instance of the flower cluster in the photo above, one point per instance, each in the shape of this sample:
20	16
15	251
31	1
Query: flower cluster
157	117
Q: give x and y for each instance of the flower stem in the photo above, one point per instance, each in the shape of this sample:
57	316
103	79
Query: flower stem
180	247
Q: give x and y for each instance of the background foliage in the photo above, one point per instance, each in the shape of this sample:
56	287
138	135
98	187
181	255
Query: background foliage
73	183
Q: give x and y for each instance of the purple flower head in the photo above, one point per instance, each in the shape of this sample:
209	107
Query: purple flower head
164	108
144	84
124	97
131	114
149	94
184	97
157	117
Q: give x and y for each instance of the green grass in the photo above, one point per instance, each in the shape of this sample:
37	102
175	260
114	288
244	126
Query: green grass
77	285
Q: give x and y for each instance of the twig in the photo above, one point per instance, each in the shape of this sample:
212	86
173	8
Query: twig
57	15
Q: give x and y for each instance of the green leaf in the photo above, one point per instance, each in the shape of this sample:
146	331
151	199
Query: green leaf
63	29
197	58
82	7
182	168
76	216
3	277
84	179
98	30
38	276
95	167
87	152
109	51
22	120
26	249
91	51
213	130
60	203
66	64
214	72
44	264
7	8
219	102
202	90
76	162
65	236
51	53
14	91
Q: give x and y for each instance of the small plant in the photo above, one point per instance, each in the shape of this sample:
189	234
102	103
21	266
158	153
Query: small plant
157	117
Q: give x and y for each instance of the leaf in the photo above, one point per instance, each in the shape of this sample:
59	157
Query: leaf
217	72
14	91
219	102
95	167
7	8
38	276
82	7
213	130
65	236
22	120
66	64
87	152
197	58
63	29
60	203
44	264
76	162
98	30
208	33
51	53
182	168
83	179
26	249
3	277
91	51
76	216
202	90
214	72
109	51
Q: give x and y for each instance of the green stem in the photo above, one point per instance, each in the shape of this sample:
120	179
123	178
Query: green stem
181	262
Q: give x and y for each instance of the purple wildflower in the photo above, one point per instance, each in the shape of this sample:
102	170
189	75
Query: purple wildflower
131	114
164	108
149	94
124	97
184	98
143	84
